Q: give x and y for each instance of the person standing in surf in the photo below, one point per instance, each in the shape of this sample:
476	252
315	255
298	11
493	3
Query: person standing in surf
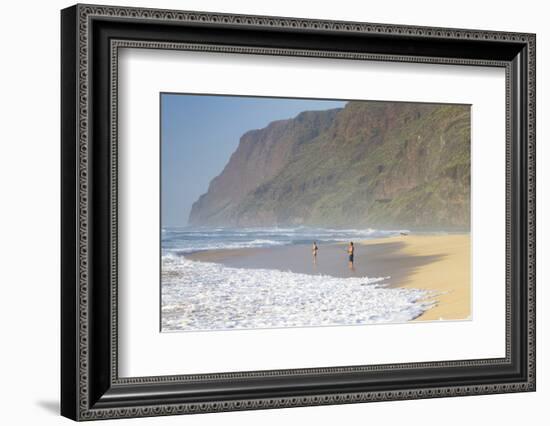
314	251
351	252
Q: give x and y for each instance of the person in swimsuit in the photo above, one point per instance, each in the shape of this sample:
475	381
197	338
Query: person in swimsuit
351	250
314	251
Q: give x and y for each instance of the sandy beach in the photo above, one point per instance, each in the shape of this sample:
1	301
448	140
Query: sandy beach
432	262
448	272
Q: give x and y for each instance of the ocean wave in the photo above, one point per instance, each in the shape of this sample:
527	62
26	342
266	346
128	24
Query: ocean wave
207	296
277	230
186	240
183	248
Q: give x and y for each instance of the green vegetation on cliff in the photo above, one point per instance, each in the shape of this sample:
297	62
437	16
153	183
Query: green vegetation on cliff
377	164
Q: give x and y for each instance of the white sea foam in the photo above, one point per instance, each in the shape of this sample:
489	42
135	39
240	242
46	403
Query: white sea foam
208	296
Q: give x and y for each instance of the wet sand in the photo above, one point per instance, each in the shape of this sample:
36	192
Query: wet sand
434	262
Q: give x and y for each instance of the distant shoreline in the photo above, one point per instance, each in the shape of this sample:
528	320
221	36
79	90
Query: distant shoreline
439	262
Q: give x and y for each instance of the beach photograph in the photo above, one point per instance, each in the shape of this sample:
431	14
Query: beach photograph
289	212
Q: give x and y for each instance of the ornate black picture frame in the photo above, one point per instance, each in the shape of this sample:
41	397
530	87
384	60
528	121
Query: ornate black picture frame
90	385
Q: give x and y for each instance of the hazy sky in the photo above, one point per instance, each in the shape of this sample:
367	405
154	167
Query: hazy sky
198	135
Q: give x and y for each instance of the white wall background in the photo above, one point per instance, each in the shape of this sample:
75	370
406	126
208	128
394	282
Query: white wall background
29	213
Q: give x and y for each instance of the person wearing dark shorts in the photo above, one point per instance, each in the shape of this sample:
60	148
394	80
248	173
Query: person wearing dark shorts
351	252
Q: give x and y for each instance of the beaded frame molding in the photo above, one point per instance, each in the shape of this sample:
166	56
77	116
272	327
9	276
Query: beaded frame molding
91	39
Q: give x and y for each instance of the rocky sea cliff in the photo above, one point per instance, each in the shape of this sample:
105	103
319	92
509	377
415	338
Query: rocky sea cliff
375	164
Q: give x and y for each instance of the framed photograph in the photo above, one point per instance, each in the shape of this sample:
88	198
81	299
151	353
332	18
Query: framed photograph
263	212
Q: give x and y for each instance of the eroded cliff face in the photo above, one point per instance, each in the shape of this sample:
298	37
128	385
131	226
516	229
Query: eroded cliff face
260	156
378	164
